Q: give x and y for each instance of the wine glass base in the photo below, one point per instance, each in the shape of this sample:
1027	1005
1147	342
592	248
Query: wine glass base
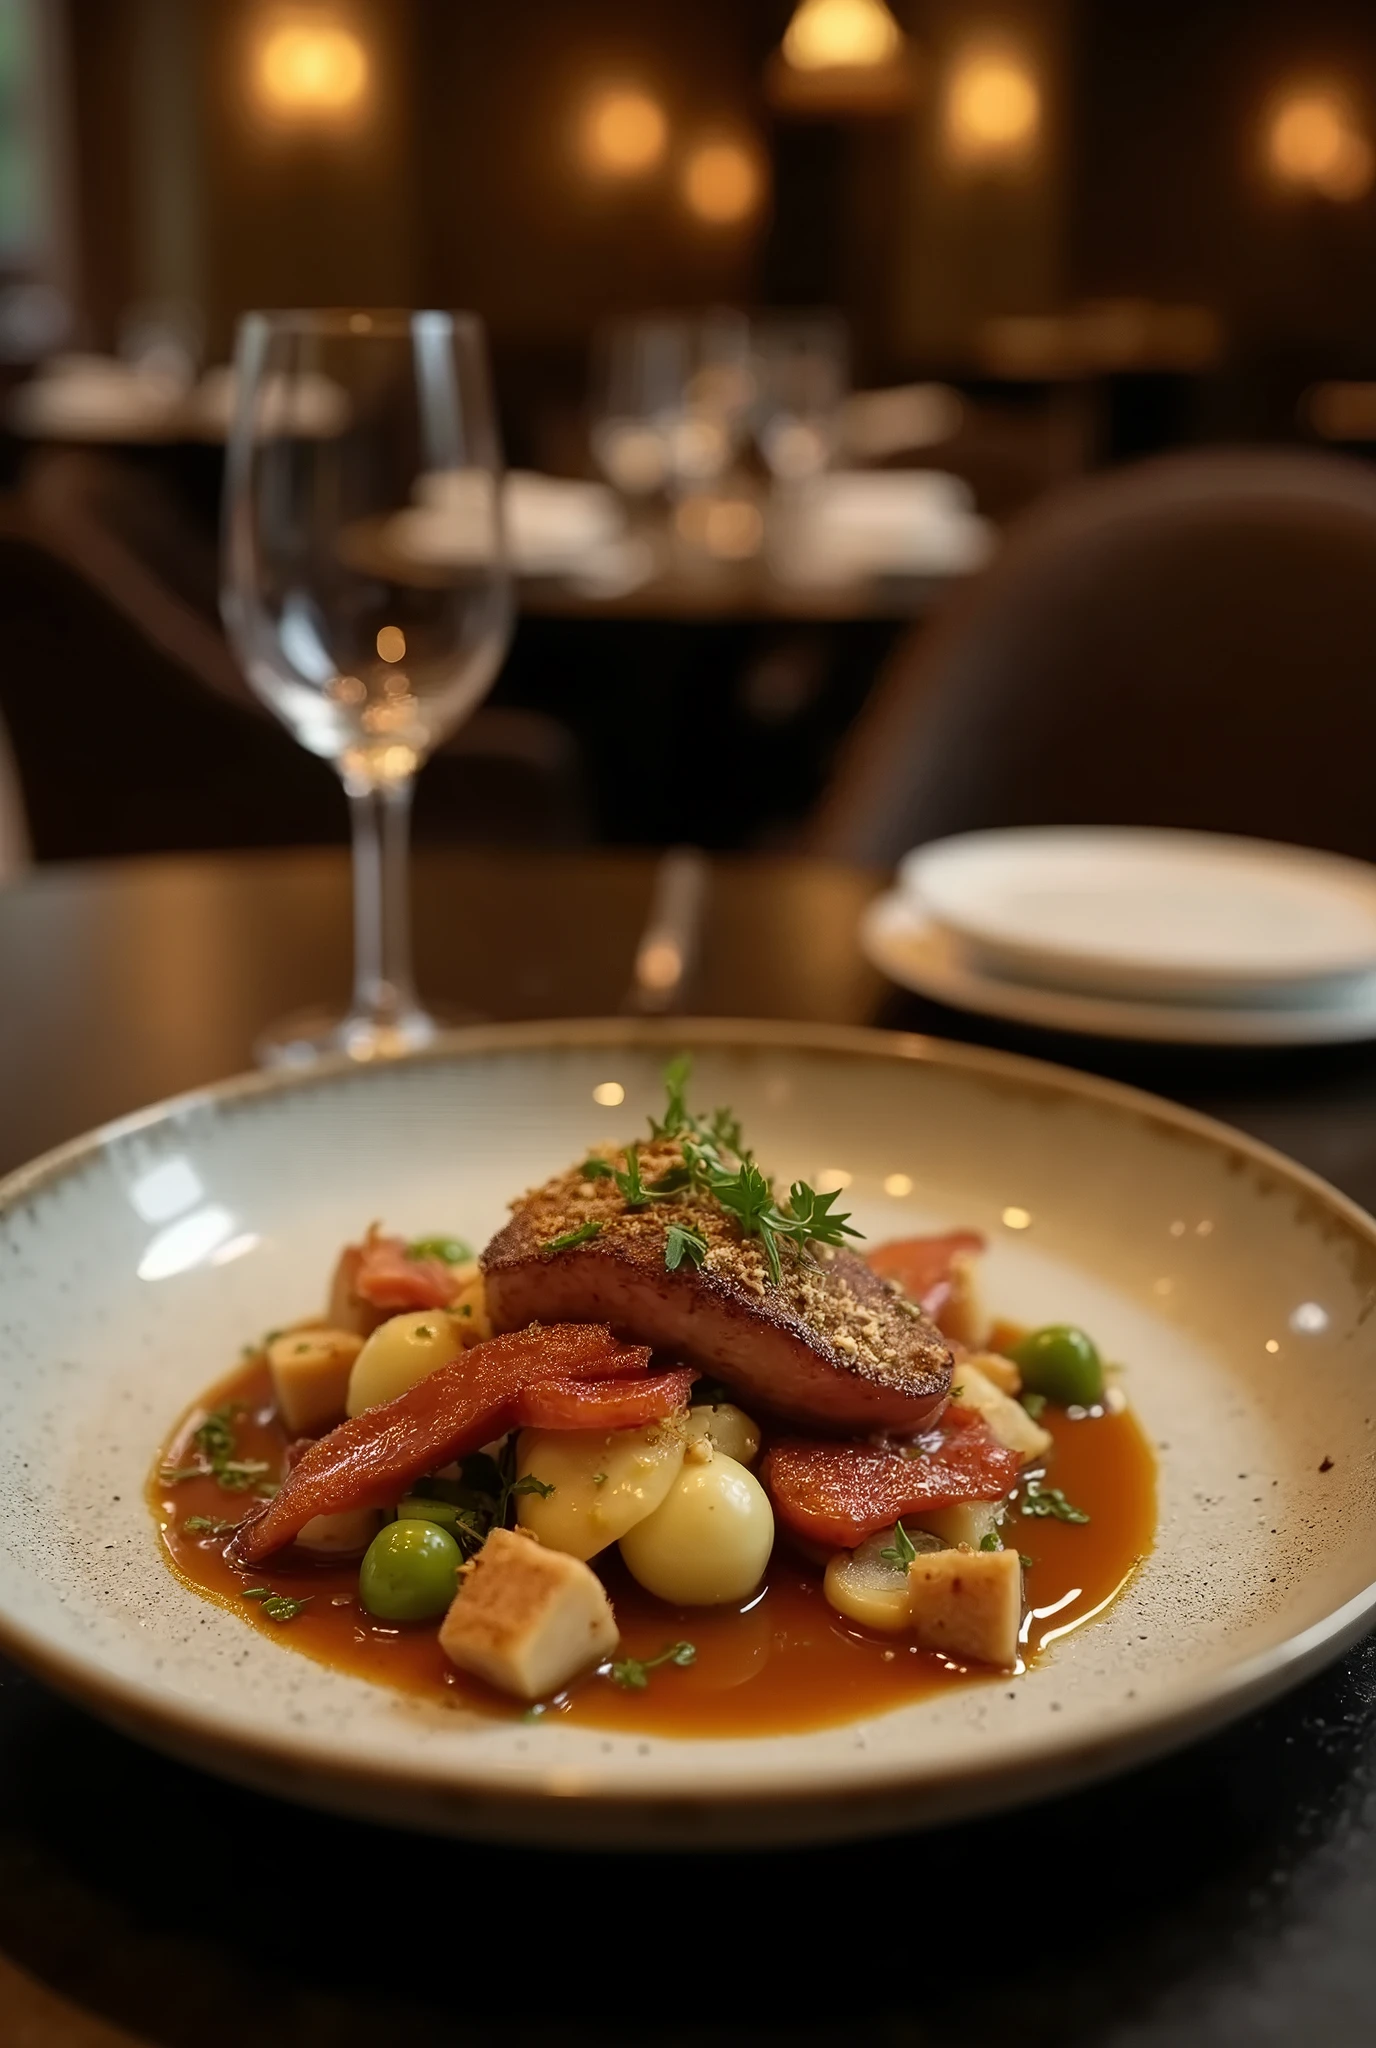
306	1036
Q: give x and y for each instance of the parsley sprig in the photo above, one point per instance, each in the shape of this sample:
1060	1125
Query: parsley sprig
634	1672
683	1244
1040	1499
584	1234
216	1440
902	1551
481	1496
277	1606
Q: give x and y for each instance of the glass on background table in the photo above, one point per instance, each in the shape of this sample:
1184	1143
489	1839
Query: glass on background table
1221	1898
348	425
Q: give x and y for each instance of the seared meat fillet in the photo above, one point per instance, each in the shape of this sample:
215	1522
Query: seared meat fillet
832	1348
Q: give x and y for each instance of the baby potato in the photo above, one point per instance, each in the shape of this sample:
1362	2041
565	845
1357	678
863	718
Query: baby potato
469	1308
728	1430
604	1481
400	1352
710	1539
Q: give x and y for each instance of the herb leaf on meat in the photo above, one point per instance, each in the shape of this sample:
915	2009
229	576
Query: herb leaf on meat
584	1234
683	1244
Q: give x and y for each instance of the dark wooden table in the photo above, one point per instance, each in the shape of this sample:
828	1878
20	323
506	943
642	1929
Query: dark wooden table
1225	1897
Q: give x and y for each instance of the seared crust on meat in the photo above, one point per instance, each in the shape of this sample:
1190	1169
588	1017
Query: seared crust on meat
832	1346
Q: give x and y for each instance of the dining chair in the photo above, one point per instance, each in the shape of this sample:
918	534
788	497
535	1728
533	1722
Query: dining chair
1188	642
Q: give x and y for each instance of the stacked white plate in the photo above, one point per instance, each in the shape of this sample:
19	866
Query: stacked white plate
1190	937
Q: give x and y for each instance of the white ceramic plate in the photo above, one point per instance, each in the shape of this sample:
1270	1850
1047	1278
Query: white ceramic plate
1235	1286
1167	916
902	941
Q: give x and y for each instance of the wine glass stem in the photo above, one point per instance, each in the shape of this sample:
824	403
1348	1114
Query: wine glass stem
384	992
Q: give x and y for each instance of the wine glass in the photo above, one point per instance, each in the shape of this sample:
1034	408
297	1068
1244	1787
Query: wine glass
366	593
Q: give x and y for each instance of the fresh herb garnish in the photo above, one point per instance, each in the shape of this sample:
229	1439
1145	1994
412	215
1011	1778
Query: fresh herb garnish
676	1120
173	1475
1033	1403
450	1251
683	1243
902	1551
990	1541
1049	1500
277	1606
208	1525
632	1188
237	1475
1025	1561
530	1484
584	1234
214	1438
599	1478
594	1168
634	1672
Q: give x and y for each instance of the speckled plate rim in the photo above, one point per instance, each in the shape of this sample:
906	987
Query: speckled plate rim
863	1796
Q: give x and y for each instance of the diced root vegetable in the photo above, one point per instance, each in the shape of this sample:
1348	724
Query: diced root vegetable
961	1316
528	1619
969	1522
346	1535
999	1369
967	1604
1007	1419
310	1377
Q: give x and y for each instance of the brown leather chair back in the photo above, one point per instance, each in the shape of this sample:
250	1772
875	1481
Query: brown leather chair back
1190	642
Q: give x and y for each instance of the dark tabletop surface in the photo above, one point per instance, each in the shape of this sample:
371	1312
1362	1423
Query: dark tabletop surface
1224	1896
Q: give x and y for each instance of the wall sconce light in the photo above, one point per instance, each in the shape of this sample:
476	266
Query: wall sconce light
623	133
311	69
1315	143
841	57
722	182
992	114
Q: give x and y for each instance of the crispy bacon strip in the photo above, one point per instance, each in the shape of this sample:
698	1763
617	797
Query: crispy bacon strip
923	1266
839	1494
370	1461
603	1404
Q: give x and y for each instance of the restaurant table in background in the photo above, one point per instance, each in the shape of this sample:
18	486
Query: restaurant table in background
1222	1897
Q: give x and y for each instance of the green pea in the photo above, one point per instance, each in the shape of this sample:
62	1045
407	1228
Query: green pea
409	1572
421	1508
1063	1364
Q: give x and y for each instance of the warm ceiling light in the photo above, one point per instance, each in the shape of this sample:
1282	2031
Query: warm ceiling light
312	68
1314	143
993	109
824	33
841	56
624	134
722	183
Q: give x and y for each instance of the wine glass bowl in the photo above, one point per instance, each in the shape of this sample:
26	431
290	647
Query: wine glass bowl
366	590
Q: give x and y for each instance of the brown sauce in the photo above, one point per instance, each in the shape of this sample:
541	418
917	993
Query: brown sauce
784	1661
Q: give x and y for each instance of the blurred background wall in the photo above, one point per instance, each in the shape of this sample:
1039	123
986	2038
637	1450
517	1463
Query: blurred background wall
1066	233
